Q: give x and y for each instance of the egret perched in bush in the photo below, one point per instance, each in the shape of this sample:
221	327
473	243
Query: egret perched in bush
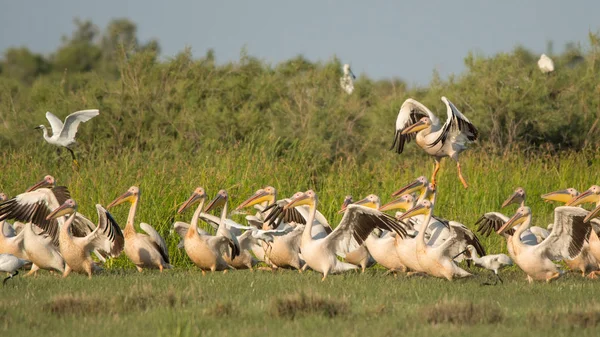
346	80
63	135
546	64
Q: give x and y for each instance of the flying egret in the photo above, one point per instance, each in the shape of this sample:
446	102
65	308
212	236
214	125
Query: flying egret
63	135
546	64
10	263
346	81
439	141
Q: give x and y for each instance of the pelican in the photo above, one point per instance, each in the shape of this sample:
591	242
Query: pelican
346	81
490	262
590	195
9	264
439	141
564	242
76	250
239	259
356	225
10	241
437	261
63	135
205	251
41	250
545	64
585	261
360	256
144	250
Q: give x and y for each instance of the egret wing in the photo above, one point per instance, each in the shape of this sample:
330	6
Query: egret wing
55	123
73	120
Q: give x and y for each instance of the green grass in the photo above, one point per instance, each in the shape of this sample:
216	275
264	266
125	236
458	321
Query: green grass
182	302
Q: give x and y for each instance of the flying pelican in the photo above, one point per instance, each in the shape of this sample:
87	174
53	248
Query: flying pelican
205	251
346	80
585	261
360	256
9	264
63	135
356	225
590	195
490	262
439	141
76	250
437	261
564	242
546	64
144	250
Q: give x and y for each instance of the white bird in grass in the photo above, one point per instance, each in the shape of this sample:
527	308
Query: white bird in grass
439	141
490	262
9	264
546	64
346	81
63	135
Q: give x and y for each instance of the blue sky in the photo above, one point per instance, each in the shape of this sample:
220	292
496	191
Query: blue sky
382	39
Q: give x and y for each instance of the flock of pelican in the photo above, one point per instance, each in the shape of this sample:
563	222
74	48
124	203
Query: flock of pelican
47	231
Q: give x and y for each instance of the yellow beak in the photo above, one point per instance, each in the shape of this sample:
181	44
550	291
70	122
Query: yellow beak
399	203
594	213
127	196
219	200
417	210
418	126
511	199
257	198
561	196
515	220
42	183
299	201
191	200
585	197
410	188
60	211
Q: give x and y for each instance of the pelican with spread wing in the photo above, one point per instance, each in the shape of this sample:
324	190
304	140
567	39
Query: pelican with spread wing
447	140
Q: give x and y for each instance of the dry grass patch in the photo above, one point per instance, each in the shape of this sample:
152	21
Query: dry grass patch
455	312
302	304
576	319
222	309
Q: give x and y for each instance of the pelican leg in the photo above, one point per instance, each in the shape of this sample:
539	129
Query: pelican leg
553	277
462	179
139	269
67	271
435	171
33	271
594	275
529	279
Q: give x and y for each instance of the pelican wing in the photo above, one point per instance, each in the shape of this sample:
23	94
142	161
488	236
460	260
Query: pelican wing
107	238
55	123
459	239
225	246
158	241
7	230
492	222
182	228
72	121
355	227
568	234
277	214
457	126
410	113
224	231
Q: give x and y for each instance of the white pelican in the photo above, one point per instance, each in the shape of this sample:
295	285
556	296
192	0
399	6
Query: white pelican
240	258
545	64
63	135
490	262
9	264
205	251
591	195
585	261
437	261
346	81
144	250
76	250
10	241
564	242
356	225
41	250
439	141
360	256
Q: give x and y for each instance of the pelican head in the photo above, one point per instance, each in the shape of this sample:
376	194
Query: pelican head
132	194
371	201
302	198
404	202
563	196
518	197
347	201
422	207
3	197
522	214
422	124
68	207
591	195
48	181
264	194
196	196
348	71
414	186
219	200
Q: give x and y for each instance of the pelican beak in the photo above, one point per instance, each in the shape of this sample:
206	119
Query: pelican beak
515	220
191	200
298	201
418	126
60	211
219	200
410	188
587	196
257	198
127	196
41	184
594	213
367	203
561	196
417	210
399	203
512	199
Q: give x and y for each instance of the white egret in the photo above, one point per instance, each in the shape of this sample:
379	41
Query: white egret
546	64
9	264
493	262
346	81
